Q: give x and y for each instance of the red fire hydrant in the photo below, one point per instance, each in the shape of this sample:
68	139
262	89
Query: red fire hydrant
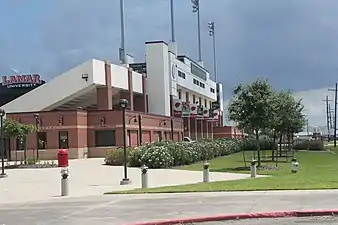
62	158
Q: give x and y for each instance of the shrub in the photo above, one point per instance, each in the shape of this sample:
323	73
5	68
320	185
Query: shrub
167	154
115	157
316	145
302	145
309	145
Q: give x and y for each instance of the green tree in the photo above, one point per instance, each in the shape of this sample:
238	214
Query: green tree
15	129
251	108
288	116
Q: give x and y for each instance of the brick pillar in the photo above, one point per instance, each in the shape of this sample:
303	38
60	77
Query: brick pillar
144	91
130	89
104	94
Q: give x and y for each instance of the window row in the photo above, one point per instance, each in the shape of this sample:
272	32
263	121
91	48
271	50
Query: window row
198	83
181	74
42	141
194	99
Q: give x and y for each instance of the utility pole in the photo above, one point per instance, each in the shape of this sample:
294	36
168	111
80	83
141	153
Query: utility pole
327	116
330	117
335	114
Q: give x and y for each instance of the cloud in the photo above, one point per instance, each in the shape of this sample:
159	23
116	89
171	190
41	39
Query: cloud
314	105
291	42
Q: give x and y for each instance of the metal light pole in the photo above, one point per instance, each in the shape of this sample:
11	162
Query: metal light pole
196	9
122	51
172	129
123	105
211	26
2	136
140	127
37	122
172	20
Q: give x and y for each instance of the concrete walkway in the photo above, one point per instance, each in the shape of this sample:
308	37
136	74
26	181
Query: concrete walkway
125	209
90	177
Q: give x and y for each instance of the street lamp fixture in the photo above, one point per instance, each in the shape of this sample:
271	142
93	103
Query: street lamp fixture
139	120
163	122
37	123
133	117
211	26
195	5
123	103
2	115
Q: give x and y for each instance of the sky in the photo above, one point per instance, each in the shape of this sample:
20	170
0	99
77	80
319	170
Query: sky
293	43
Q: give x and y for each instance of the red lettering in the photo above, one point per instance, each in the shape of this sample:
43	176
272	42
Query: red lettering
29	79
12	79
36	79
4	80
21	79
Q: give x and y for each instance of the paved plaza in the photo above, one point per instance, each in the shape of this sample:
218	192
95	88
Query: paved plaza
90	177
126	209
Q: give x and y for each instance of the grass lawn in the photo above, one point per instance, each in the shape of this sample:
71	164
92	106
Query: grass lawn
317	170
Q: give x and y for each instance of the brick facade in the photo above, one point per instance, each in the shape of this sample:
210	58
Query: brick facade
82	127
228	132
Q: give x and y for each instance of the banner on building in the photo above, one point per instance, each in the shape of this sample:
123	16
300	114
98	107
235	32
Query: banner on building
213	114
185	109
206	113
200	112
193	110
215	105
177	105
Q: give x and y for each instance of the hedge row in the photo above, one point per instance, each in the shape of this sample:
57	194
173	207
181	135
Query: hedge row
309	145
168	154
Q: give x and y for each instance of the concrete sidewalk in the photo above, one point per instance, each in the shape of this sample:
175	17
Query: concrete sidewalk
90	177
126	209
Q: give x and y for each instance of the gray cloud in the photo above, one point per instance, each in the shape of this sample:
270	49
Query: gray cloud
291	42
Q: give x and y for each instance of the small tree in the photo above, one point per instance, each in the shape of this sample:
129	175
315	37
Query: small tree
15	129
251	108
288	116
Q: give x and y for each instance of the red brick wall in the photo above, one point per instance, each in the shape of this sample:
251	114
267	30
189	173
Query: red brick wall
81	126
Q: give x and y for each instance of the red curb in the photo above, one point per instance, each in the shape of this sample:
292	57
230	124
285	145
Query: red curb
258	215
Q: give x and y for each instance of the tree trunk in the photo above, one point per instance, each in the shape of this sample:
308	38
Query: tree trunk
16	151
274	141
280	144
25	151
289	140
258	148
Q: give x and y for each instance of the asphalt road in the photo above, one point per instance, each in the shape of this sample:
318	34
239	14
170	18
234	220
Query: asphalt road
124	209
280	221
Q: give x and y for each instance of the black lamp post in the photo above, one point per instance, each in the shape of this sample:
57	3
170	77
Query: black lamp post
172	129
123	105
3	174
37	122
